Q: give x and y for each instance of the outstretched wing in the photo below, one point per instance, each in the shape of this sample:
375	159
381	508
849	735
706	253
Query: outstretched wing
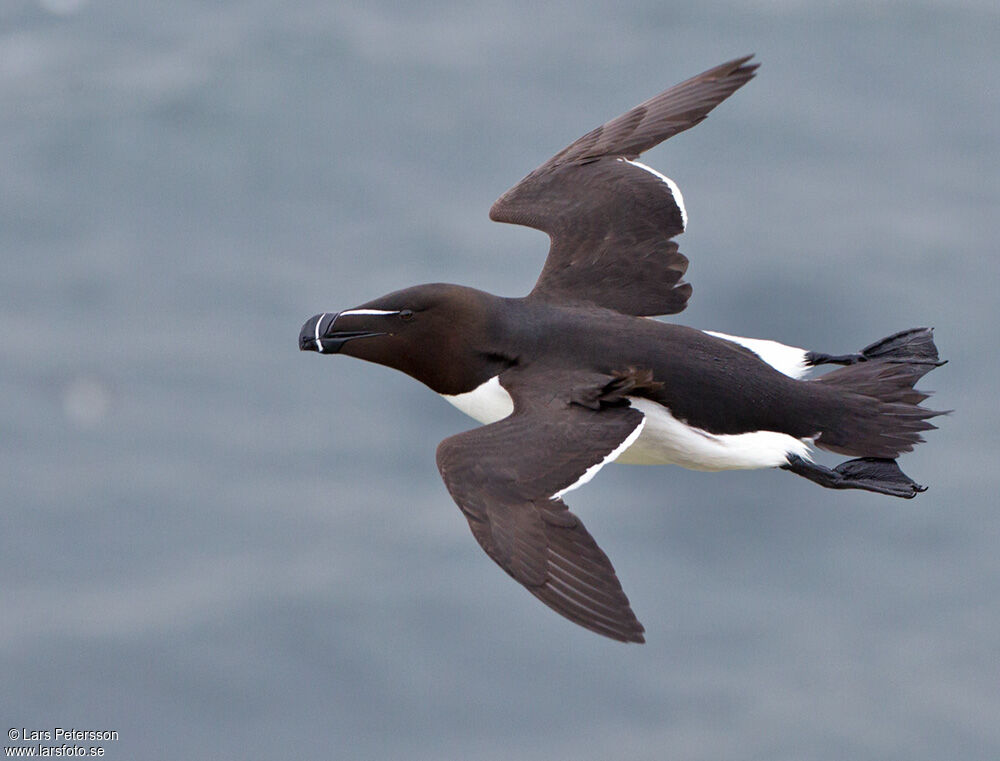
611	219
508	478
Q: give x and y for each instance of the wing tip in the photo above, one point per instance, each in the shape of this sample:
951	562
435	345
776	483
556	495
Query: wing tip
634	635
741	65
495	210
735	73
622	626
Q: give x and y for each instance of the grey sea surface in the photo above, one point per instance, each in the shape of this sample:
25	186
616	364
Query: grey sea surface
220	547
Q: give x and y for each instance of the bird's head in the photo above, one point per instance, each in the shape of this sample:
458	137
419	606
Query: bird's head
437	333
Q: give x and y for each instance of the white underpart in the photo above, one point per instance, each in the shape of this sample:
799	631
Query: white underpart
789	360
661	439
367	311
674	190
487	403
665	440
319	344
590	472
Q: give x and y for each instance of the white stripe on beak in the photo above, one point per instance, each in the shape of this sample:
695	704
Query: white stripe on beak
319	344
367	311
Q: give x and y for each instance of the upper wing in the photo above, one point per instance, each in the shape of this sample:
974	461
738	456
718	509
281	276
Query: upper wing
508	479
610	219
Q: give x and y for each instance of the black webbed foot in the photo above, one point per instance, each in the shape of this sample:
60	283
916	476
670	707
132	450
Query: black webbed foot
875	474
914	346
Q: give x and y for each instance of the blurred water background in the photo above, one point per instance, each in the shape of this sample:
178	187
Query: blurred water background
222	548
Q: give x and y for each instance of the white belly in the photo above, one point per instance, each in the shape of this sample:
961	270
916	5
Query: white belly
664	440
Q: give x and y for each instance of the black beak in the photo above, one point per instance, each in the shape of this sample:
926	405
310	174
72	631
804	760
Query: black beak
318	334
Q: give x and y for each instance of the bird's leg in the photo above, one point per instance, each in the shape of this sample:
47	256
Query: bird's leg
814	358
868	473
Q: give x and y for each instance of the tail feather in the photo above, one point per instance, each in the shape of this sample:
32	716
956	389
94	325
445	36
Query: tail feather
880	414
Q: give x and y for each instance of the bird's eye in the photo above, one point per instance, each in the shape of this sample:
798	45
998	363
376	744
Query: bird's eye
406	314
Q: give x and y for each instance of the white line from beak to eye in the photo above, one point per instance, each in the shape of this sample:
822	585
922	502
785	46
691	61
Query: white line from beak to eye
367	311
319	344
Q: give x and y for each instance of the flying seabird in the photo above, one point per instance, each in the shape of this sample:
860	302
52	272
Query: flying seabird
572	377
